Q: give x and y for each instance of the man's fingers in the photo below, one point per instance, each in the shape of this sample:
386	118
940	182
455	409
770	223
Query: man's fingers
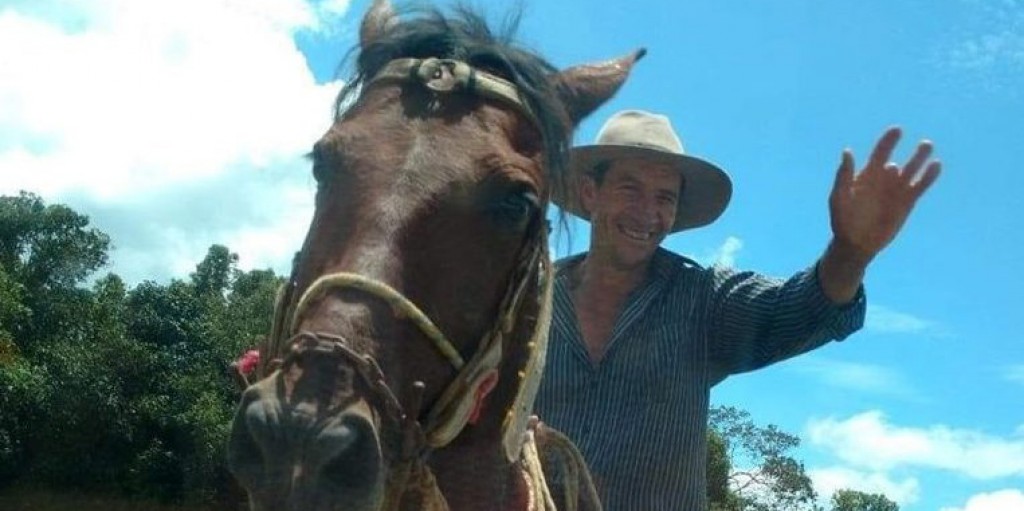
930	174
916	162
884	148
844	175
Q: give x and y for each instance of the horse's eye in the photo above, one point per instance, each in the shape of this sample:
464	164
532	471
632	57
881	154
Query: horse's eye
515	208
319	172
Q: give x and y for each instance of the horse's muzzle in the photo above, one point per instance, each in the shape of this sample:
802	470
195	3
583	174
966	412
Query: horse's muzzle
297	445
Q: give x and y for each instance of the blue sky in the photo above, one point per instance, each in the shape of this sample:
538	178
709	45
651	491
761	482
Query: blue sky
175	125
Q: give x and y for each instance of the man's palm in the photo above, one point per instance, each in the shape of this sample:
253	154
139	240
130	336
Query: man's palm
869	207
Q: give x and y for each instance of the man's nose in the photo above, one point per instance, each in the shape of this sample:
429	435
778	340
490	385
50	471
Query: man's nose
649	207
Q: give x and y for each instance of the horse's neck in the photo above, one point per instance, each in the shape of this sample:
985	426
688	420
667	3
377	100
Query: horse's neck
477	476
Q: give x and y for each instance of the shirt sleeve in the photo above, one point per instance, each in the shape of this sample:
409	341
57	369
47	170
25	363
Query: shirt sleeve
757	320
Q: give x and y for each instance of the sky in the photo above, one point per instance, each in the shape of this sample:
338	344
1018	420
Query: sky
178	124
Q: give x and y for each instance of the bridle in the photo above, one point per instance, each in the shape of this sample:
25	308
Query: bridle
475	377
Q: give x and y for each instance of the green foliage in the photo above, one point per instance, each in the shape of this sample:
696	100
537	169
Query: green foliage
48	245
761	474
719	469
45	252
850	500
12	309
115	389
21	385
750	469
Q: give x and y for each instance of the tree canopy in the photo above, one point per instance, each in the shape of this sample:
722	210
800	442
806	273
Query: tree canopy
111	388
750	469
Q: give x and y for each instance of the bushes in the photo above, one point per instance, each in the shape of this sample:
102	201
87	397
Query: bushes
113	389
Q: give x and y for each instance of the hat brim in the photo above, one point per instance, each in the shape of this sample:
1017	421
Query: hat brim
706	187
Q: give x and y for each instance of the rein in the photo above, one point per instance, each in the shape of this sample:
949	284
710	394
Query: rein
459	404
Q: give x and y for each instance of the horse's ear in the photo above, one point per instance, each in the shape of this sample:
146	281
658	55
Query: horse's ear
584	88
376	22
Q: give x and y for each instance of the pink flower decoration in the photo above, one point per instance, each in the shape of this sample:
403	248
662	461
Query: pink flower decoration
247	363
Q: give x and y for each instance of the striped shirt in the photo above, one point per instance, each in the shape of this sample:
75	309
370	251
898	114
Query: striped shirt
639	416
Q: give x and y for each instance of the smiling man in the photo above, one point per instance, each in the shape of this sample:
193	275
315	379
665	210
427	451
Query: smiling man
640	334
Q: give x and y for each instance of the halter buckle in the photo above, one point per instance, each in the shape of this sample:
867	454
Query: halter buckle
444	75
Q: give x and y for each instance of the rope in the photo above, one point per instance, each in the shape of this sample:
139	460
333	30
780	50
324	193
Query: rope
402	307
566	467
540	493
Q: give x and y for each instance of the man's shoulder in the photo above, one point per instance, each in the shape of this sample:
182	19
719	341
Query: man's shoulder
672	265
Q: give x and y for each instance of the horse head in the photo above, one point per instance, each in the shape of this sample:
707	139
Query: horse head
409	340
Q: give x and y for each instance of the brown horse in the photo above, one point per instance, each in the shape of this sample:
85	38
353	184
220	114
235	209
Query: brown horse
409	342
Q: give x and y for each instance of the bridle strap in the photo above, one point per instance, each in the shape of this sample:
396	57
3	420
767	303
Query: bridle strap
450	414
448	75
402	307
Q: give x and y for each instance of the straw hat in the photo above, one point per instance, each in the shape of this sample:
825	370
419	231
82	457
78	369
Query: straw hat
643	136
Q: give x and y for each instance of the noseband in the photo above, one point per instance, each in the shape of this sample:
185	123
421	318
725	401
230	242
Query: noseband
475	378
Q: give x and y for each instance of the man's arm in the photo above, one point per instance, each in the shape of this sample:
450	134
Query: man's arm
757	321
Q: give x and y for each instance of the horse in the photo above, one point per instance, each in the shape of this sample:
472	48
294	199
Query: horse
408	342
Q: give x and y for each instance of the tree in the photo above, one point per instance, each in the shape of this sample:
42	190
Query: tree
12	308
216	272
761	474
720	495
46	251
48	245
851	500
109	389
749	469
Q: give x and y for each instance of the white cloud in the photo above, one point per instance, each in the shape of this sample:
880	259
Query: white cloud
868	441
152	94
995	38
885	320
725	254
1014	373
869	378
1002	500
120	105
828	480
986	47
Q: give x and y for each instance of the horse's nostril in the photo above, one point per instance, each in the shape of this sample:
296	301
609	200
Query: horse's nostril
338	439
352	453
245	452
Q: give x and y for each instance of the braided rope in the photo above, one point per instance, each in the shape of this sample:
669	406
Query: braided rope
400	305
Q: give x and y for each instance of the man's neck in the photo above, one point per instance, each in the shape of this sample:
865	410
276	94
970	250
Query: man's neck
599	291
599	276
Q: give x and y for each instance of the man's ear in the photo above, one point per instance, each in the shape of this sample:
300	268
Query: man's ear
588	193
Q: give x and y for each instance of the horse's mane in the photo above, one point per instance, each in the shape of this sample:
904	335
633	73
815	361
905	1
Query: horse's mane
466	36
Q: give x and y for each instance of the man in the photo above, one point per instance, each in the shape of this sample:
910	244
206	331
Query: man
640	335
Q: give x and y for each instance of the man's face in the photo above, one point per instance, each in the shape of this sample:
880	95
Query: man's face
632	210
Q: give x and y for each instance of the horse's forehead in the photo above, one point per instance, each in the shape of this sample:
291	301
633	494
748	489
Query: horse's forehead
483	138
